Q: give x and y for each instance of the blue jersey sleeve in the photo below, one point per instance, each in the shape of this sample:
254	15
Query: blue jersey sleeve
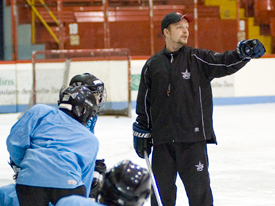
19	139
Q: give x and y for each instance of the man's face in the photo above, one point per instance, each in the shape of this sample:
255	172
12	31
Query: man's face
177	34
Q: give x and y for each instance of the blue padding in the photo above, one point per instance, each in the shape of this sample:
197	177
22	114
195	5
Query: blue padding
235	100
23	108
8	109
115	105
243	100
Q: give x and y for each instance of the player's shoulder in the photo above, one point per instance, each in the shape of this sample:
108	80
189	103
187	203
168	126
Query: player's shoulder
8	188
8	196
76	200
41	109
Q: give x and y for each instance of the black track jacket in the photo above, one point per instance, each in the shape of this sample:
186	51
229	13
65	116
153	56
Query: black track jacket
175	98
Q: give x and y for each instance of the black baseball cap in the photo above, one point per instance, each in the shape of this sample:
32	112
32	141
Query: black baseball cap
174	17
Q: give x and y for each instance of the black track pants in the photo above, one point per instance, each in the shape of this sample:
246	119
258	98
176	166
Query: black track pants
190	161
41	196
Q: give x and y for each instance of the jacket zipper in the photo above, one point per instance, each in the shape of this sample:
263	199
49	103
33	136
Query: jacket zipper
202	121
172	58
169	87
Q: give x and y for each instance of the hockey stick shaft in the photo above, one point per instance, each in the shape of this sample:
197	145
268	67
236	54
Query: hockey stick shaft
155	188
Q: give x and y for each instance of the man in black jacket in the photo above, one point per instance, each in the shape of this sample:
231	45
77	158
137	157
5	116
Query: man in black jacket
174	108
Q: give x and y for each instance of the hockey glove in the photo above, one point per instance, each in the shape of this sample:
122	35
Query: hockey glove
100	166
248	49
100	170
15	168
142	140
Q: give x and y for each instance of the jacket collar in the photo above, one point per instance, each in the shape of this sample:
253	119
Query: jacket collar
172	53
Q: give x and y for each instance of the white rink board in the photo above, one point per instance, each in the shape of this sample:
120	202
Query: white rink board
49	80
50	77
256	79
8	91
116	77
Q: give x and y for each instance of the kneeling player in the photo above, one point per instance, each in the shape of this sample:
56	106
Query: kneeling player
126	184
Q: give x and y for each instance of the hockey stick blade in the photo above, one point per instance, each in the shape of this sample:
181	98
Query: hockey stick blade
155	188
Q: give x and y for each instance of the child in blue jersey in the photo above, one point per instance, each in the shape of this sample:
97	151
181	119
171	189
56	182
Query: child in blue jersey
8	194
123	185
53	148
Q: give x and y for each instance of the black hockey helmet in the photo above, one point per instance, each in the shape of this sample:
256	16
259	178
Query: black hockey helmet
125	184
93	83
80	101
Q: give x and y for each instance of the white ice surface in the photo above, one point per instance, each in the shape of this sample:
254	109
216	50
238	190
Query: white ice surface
242	165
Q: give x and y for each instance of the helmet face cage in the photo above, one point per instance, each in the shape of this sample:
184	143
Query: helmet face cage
80	100
100	93
126	184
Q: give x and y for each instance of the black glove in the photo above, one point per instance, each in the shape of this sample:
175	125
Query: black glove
15	168
100	166
252	48
100	170
142	140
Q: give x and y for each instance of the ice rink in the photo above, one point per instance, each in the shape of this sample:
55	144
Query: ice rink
242	165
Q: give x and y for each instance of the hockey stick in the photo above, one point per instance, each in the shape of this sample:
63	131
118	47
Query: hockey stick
155	188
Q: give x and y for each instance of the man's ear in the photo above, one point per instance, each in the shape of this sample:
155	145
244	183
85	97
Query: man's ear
165	32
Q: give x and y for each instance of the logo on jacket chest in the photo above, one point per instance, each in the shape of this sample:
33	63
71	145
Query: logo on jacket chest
186	74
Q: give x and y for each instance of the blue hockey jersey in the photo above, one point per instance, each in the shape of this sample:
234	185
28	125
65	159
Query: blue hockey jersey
53	149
